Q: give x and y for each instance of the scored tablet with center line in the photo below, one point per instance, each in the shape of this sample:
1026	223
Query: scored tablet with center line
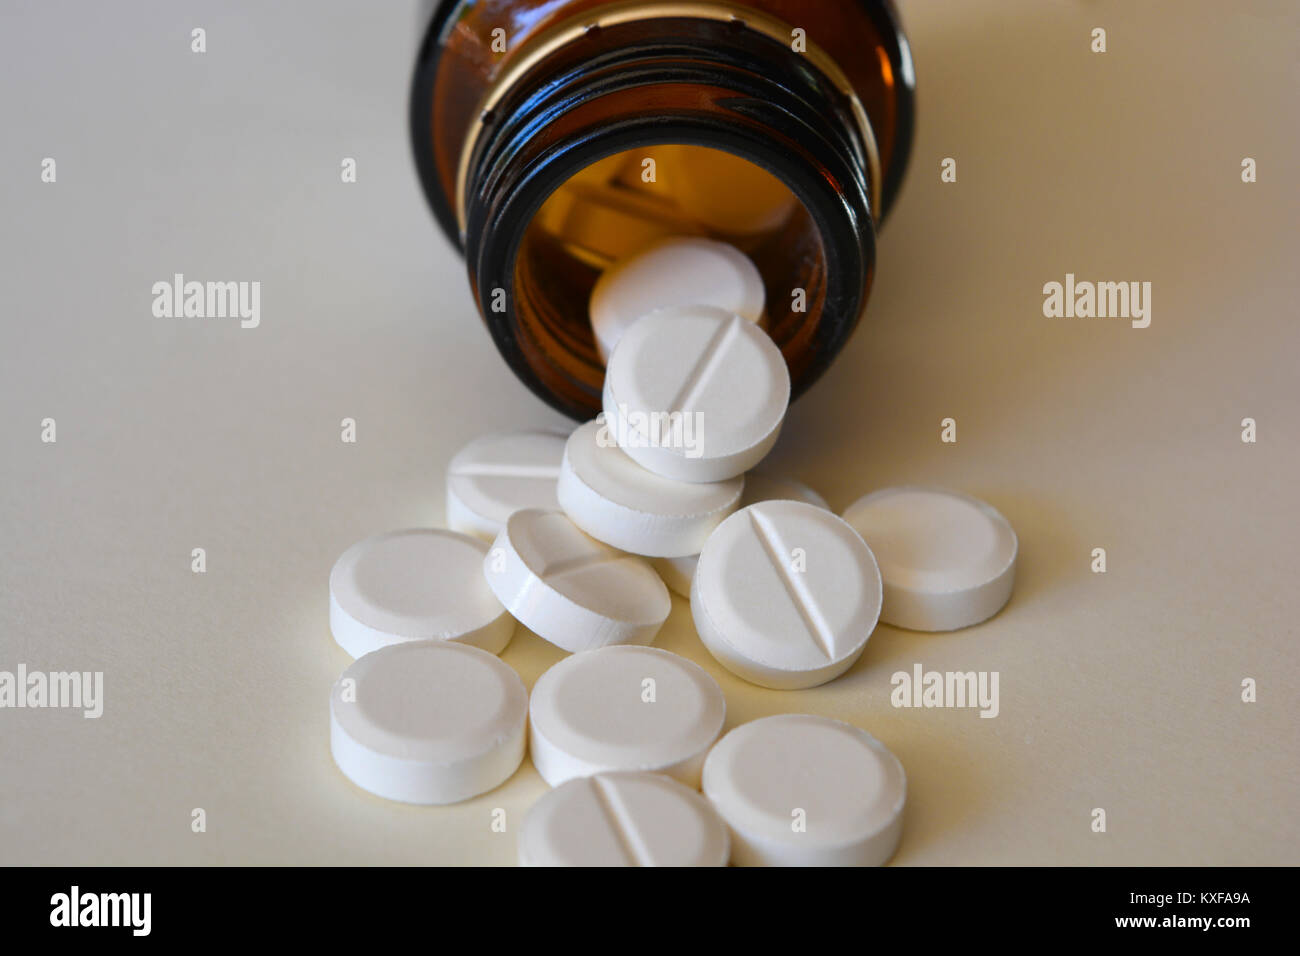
786	594
796	586
696	393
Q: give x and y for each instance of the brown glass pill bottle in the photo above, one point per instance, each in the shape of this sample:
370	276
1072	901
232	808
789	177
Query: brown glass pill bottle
554	136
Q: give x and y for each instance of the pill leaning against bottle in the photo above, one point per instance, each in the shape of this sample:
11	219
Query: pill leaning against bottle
624	708
947	560
677	271
785	595
843	806
419	584
494	476
614	499
428	722
695	393
623	819
570	589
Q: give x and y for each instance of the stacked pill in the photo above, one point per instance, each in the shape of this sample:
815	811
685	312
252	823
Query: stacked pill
580	537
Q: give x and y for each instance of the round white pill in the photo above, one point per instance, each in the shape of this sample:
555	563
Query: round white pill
570	589
415	585
494	476
785	595
428	722
614	499
623	819
696	393
624	708
678	572
947	560
798	790
678	271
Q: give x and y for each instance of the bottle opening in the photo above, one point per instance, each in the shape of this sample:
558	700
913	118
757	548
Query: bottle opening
619	205
668	125
532	155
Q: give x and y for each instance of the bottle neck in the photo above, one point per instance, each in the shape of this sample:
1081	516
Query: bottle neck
650	81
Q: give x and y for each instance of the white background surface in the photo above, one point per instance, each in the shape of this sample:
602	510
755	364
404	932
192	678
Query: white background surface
1119	691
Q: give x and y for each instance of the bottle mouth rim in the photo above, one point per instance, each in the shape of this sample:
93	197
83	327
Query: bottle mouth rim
496	239
420	110
615	15
667	80
735	90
